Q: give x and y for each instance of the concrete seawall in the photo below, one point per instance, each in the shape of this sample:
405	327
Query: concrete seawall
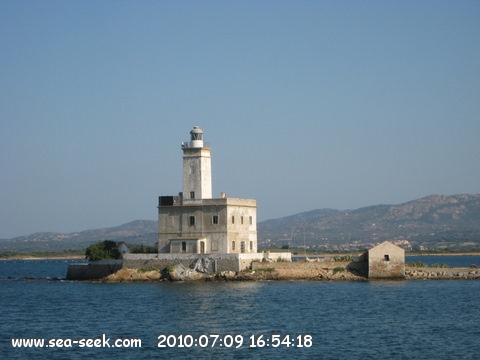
327	270
93	270
202	263
207	263
351	271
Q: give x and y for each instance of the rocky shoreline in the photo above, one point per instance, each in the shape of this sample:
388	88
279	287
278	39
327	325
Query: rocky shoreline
424	273
181	273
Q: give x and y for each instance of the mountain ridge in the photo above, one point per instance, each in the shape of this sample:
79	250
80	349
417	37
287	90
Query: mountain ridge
137	231
432	222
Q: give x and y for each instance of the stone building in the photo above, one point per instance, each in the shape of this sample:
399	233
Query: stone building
386	261
195	223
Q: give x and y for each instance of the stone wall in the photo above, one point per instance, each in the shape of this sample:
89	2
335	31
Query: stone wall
321	270
152	262
208	263
381	269
329	270
93	270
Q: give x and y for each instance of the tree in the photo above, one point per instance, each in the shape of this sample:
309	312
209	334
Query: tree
142	249
102	250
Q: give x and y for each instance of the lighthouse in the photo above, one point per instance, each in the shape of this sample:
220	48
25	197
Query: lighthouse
194	223
197	167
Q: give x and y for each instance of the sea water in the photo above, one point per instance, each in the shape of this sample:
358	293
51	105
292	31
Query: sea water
432	319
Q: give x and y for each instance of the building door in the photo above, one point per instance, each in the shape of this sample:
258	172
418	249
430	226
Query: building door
202	247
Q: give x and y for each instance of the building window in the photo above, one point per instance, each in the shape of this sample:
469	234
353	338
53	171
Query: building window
242	246
192	194
233	245
386	257
251	220
214	245
191	220
233	219
184	246
215	220
241	220
251	245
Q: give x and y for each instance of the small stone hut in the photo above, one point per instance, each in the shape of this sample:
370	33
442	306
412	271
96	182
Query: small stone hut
386	261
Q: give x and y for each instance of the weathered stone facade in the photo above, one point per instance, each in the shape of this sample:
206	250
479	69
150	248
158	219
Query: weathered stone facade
207	226
386	261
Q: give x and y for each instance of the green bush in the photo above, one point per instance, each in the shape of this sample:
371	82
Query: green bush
142	249
440	266
338	269
102	250
343	258
417	264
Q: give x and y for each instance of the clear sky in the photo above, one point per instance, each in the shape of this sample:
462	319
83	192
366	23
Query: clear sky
306	105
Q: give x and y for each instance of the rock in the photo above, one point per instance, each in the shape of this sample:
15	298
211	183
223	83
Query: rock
153	275
202	265
228	274
181	273
124	275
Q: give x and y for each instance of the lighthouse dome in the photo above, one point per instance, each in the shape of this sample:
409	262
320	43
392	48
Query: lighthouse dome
196	137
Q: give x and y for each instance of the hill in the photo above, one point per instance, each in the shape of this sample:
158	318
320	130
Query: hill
138	232
434	222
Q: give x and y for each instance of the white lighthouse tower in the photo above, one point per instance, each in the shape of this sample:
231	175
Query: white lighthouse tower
193	223
197	167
